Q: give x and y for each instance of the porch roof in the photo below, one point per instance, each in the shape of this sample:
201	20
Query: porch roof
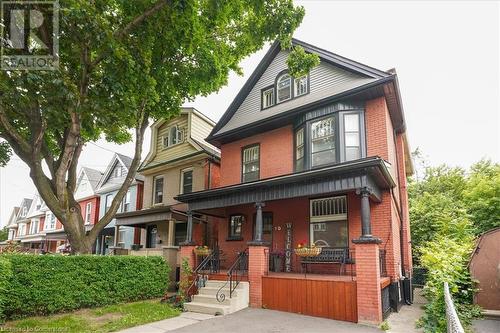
369	172
162	213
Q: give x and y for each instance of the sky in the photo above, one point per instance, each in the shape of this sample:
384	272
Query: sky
446	55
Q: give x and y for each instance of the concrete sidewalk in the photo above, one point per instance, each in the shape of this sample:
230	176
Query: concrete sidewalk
168	325
404	321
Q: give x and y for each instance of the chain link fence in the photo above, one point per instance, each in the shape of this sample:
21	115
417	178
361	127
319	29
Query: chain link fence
419	278
452	321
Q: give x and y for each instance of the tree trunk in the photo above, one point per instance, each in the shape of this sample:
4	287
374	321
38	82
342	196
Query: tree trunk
75	230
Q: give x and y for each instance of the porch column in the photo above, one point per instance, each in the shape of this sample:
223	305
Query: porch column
189	234
117	233
171	233
258	264
258	223
366	225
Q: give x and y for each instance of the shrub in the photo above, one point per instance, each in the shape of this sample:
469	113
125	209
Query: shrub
41	285
5	274
446	261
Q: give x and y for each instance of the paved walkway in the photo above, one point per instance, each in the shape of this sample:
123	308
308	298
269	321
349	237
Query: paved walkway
486	326
168	325
253	320
404	320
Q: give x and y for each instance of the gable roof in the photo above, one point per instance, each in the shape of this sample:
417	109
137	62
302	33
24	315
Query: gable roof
377	78
12	217
93	176
124	161
196	138
25	203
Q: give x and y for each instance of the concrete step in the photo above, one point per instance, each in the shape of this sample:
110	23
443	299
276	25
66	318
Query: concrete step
212	291
210	299
213	309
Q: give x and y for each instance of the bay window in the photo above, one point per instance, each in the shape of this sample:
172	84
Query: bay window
328	139
323	141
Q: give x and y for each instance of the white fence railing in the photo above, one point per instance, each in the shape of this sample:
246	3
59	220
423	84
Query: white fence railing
452	321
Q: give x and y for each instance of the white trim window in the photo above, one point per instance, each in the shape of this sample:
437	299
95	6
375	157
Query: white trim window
284	88
126	202
88	212
352	137
122	233
328	222
118	171
108	201
301	86
34	227
173	137
158	190
186	181
24	211
50	221
251	163
299	150
22	229
268	98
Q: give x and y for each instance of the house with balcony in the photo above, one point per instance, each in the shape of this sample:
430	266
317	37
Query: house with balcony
312	209
180	161
109	184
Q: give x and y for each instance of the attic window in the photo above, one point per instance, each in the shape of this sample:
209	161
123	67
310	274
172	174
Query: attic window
174	136
284	88
268	98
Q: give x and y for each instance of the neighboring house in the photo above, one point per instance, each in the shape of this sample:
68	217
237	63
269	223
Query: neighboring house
110	183
87	197
484	267
12	225
179	161
34	237
22	220
320	159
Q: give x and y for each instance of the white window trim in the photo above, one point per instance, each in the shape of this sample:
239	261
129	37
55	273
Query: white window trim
88	213
124	201
179	133
290	88
183	171
48	219
296	85
264	105
162	191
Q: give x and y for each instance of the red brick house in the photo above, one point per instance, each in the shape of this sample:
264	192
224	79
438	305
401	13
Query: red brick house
321	159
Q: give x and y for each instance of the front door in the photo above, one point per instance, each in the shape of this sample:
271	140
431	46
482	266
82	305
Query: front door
151	234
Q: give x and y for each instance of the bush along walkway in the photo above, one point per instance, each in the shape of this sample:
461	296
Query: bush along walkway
110	318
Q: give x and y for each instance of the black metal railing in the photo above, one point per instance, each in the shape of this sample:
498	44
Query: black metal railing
382	263
208	265
238	269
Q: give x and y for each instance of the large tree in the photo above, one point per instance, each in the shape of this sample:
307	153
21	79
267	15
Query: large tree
123	62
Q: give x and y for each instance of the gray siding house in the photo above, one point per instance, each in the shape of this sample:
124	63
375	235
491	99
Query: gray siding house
113	178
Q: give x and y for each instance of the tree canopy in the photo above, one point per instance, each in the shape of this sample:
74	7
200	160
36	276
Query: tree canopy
122	63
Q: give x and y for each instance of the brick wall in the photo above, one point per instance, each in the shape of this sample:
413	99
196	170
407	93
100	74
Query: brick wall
368	284
276	155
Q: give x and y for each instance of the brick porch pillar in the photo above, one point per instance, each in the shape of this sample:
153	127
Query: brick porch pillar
257	267
368	282
187	251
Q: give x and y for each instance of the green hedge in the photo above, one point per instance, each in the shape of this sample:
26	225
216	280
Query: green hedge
41	285
5	275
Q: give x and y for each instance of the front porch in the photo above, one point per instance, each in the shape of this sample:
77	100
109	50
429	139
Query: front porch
330	209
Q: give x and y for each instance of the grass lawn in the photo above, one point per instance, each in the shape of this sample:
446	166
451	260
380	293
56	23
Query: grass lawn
106	319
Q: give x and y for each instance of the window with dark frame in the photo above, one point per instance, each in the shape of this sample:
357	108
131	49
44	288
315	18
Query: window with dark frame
301	86
299	149
351	136
323	141
236	226
187	181
268	98
158	190
251	163
328	222
284	88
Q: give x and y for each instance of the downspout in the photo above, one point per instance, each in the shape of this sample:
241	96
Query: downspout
209	174
400	213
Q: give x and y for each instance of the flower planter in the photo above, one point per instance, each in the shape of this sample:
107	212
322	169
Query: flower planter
202	252
308	251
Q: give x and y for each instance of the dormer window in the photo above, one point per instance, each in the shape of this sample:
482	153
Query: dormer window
24	212
284	88
174	136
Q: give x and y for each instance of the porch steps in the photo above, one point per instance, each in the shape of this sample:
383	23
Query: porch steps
205	301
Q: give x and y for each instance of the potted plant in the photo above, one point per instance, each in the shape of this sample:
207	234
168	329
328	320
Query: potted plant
302	250
277	257
202	251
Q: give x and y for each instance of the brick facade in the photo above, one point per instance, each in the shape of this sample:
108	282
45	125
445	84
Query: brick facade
368	283
257	267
